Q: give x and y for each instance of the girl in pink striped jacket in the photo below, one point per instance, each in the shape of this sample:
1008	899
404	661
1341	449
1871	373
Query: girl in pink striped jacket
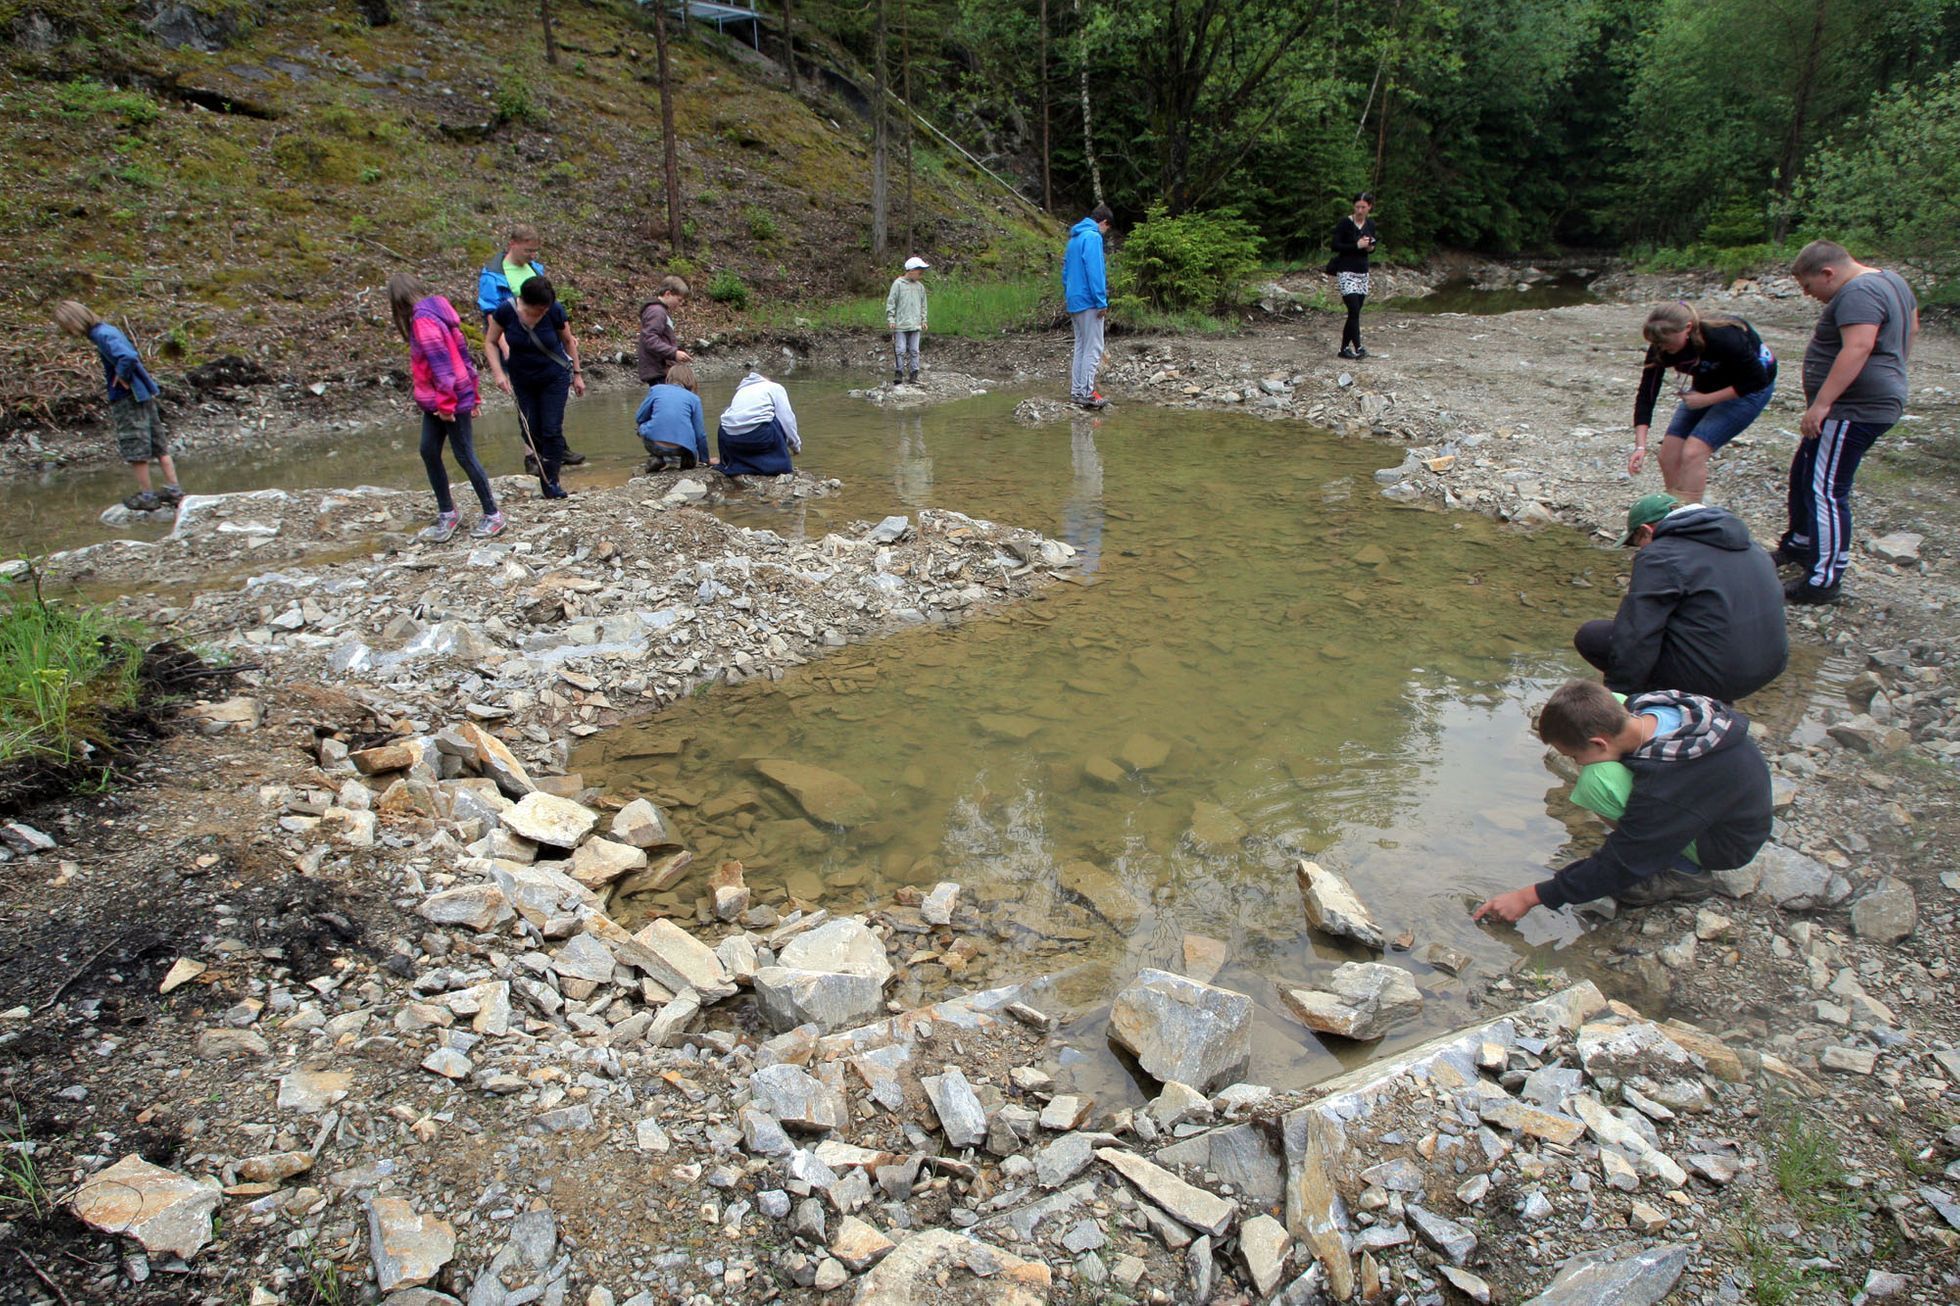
445	390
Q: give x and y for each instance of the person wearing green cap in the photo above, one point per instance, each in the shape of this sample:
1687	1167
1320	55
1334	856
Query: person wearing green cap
1703	611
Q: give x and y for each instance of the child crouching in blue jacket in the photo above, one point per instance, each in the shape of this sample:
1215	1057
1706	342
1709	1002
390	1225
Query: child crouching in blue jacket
671	423
132	407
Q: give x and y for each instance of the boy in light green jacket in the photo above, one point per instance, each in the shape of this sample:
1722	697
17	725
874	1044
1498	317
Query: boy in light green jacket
905	314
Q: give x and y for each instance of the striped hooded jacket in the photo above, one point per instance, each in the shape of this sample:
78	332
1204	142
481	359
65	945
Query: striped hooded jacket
439	360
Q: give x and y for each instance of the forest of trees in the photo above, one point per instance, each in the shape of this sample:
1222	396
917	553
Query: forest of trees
1505	125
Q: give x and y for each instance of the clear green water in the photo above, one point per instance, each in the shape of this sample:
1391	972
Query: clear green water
1300	667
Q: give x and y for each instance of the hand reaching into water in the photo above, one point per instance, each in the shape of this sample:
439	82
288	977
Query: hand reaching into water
1508	906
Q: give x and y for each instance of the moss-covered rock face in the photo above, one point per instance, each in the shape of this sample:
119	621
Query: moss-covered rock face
264	160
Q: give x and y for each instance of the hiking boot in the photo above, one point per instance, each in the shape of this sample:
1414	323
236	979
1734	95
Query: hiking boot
571	459
440	532
485	527
553	490
912	377
143	501
1801	591
1783	557
1667	886
171	496
898	377
530	465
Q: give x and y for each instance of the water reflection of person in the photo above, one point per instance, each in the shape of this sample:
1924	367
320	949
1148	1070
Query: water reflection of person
912	468
1082	515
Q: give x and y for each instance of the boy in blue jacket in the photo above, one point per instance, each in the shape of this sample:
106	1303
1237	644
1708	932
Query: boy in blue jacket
1085	294
132	406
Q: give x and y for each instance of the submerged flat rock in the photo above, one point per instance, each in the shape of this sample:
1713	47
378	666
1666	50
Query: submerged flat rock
825	795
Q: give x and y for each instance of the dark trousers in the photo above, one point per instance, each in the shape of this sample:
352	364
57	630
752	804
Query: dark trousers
761	452
463	445
543	410
1594	640
1351	330
662	457
1820	498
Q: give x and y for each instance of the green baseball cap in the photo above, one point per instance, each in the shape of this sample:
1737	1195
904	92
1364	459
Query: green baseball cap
1647	510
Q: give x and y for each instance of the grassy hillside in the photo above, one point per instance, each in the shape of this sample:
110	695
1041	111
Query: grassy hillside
250	200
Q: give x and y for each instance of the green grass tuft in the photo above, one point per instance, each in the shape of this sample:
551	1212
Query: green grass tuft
63	670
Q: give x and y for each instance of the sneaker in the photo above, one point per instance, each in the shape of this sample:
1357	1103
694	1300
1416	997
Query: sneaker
1347	351
1359	352
440	532
556	491
1668	886
171	495
572	459
487	526
1801	591
143	501
1094	403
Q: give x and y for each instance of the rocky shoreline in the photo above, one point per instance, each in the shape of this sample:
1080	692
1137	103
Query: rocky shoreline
389	1036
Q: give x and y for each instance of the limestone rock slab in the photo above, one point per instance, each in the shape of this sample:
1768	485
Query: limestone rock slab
407	1247
550	820
1182	1030
167	1212
1333	908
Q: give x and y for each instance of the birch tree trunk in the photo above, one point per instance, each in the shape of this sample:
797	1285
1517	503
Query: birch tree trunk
1088	129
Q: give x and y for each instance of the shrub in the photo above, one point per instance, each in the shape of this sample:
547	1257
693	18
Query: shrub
512	103
725	287
762	223
1192	261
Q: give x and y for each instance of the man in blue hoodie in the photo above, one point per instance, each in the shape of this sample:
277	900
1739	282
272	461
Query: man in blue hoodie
1085	292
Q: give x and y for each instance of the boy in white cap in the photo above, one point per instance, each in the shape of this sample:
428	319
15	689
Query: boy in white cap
905	314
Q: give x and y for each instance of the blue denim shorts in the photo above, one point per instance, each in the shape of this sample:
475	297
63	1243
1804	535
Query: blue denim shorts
1720	423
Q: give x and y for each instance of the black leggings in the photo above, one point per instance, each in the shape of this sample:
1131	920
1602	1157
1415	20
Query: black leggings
434	432
1351	331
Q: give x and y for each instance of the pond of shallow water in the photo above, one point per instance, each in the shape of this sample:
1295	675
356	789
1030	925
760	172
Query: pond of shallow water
1464	295
1259	659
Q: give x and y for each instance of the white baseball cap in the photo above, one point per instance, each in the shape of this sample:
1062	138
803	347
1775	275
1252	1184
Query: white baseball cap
915	262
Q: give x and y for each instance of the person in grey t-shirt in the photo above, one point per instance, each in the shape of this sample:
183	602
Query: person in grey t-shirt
1854	389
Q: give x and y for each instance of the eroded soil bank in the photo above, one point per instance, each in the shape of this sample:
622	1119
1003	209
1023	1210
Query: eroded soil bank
404	1049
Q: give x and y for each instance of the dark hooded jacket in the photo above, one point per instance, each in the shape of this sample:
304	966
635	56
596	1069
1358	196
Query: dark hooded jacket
1704	783
1703	612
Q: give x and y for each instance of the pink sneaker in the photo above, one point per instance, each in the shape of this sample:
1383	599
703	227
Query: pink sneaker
488	526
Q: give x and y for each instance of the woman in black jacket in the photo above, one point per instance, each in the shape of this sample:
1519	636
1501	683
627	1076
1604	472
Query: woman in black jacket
1731	377
1354	241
